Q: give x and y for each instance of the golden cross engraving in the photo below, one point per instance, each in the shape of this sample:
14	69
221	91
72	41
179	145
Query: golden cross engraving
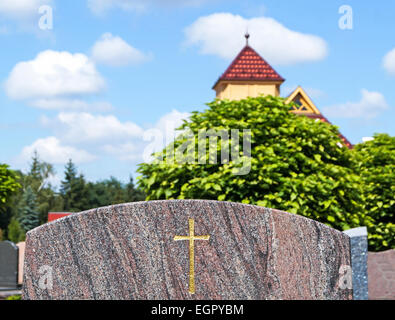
191	238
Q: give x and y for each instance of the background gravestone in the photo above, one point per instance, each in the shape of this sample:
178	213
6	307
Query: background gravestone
21	256
359	262
8	265
137	251
381	273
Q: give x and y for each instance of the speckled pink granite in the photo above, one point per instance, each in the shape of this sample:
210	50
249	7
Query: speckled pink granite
128	252
381	275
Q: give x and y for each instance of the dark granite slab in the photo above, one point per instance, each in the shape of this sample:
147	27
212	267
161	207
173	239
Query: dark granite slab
129	252
8	265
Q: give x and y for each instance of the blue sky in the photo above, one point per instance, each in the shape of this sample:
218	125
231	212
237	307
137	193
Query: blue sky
111	72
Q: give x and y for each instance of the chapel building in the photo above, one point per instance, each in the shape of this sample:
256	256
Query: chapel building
249	75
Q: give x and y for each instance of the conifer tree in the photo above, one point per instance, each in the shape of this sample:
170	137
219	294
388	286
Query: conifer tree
28	215
73	190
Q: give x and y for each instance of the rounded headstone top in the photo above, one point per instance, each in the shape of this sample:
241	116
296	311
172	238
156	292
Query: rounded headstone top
186	249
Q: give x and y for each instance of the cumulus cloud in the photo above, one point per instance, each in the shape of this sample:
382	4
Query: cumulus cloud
24	15
71	105
163	133
221	34
171	121
124	151
370	105
389	62
108	135
54	74
57	81
114	51
21	9
53	151
101	6
88	128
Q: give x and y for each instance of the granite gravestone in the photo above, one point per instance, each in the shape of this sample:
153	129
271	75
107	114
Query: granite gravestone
359	262
8	265
185	249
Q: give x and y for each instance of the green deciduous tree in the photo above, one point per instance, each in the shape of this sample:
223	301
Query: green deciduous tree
298	165
15	232
8	184
375	163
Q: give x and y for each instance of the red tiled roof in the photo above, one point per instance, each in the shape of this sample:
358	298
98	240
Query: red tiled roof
249	65
322	118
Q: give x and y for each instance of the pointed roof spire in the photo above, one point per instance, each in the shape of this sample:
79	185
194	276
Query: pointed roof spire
247	36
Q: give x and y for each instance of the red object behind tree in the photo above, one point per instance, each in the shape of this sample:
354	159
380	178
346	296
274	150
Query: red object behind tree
52	216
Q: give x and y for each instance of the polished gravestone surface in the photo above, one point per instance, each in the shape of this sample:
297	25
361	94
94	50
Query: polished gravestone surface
8	265
186	249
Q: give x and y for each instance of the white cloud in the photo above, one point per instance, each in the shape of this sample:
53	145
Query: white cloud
51	150
389	62
370	105
171	121
367	139
85	127
107	135
101	6
24	16
114	51
54	74
71	105
163	133
221	34
21	9
124	151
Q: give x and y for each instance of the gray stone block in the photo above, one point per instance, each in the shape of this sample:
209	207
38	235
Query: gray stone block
8	265
359	262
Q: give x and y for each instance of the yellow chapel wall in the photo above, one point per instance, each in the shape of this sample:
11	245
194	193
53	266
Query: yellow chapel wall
238	91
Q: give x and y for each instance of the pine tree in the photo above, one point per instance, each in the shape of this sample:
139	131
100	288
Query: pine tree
29	215
74	190
70	174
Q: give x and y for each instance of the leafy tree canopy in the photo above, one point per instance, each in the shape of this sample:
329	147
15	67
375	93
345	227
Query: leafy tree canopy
298	165
15	232
8	183
375	163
